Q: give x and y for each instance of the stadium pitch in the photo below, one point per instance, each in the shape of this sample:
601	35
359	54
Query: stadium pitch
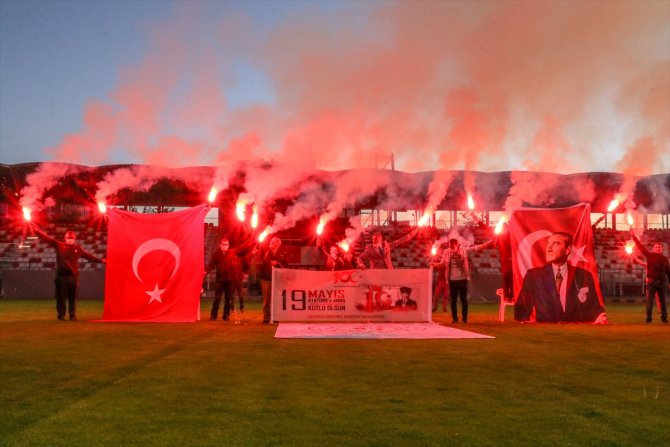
233	383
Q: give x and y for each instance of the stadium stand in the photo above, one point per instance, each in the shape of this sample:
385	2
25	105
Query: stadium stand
619	276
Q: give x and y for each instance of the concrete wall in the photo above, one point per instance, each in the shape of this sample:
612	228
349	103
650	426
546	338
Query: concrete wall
39	284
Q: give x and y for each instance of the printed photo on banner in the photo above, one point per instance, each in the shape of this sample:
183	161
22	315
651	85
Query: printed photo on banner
387	298
555	273
351	295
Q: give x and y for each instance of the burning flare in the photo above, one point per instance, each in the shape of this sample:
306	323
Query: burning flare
254	219
499	225
614	204
26	214
344	245
241	210
629	247
433	251
263	235
425	218
629	218
102	207
471	203
212	194
319	228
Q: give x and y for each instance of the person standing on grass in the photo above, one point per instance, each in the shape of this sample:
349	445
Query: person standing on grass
455	261
225	262
67	271
238	273
658	276
238	286
272	258
441	289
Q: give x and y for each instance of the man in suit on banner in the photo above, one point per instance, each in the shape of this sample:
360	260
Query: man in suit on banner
405	302
558	291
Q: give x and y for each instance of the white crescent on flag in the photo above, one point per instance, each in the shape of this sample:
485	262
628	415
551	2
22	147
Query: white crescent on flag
523	256
154	245
141	281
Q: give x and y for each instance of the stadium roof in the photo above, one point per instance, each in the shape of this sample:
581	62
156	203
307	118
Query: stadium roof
365	188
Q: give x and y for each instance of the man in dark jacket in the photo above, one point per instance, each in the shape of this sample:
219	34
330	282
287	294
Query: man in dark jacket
67	271
658	275
272	258
227	264
378	254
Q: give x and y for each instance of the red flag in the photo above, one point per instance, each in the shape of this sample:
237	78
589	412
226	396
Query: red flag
530	230
155	265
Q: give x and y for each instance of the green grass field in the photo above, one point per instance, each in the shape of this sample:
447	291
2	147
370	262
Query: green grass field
215	383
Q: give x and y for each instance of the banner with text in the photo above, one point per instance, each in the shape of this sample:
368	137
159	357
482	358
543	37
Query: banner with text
351	295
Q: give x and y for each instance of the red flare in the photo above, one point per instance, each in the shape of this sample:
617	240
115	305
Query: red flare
499	225
241	210
425	218
26	214
613	204
629	247
212	195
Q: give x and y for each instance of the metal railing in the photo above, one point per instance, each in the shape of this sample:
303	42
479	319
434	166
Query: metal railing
621	283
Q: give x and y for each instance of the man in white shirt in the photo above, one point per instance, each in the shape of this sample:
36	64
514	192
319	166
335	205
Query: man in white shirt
457	273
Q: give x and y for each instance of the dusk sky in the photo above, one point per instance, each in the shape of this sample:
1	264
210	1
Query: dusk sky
560	86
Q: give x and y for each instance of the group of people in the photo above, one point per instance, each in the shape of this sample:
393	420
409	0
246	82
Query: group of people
555	292
453	267
228	264
336	258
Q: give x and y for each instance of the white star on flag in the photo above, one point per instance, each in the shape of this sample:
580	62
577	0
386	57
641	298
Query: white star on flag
577	255
155	294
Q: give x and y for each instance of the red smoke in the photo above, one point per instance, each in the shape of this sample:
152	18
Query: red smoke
489	86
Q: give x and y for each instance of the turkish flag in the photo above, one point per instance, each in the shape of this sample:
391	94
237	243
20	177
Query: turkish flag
155	265
529	231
